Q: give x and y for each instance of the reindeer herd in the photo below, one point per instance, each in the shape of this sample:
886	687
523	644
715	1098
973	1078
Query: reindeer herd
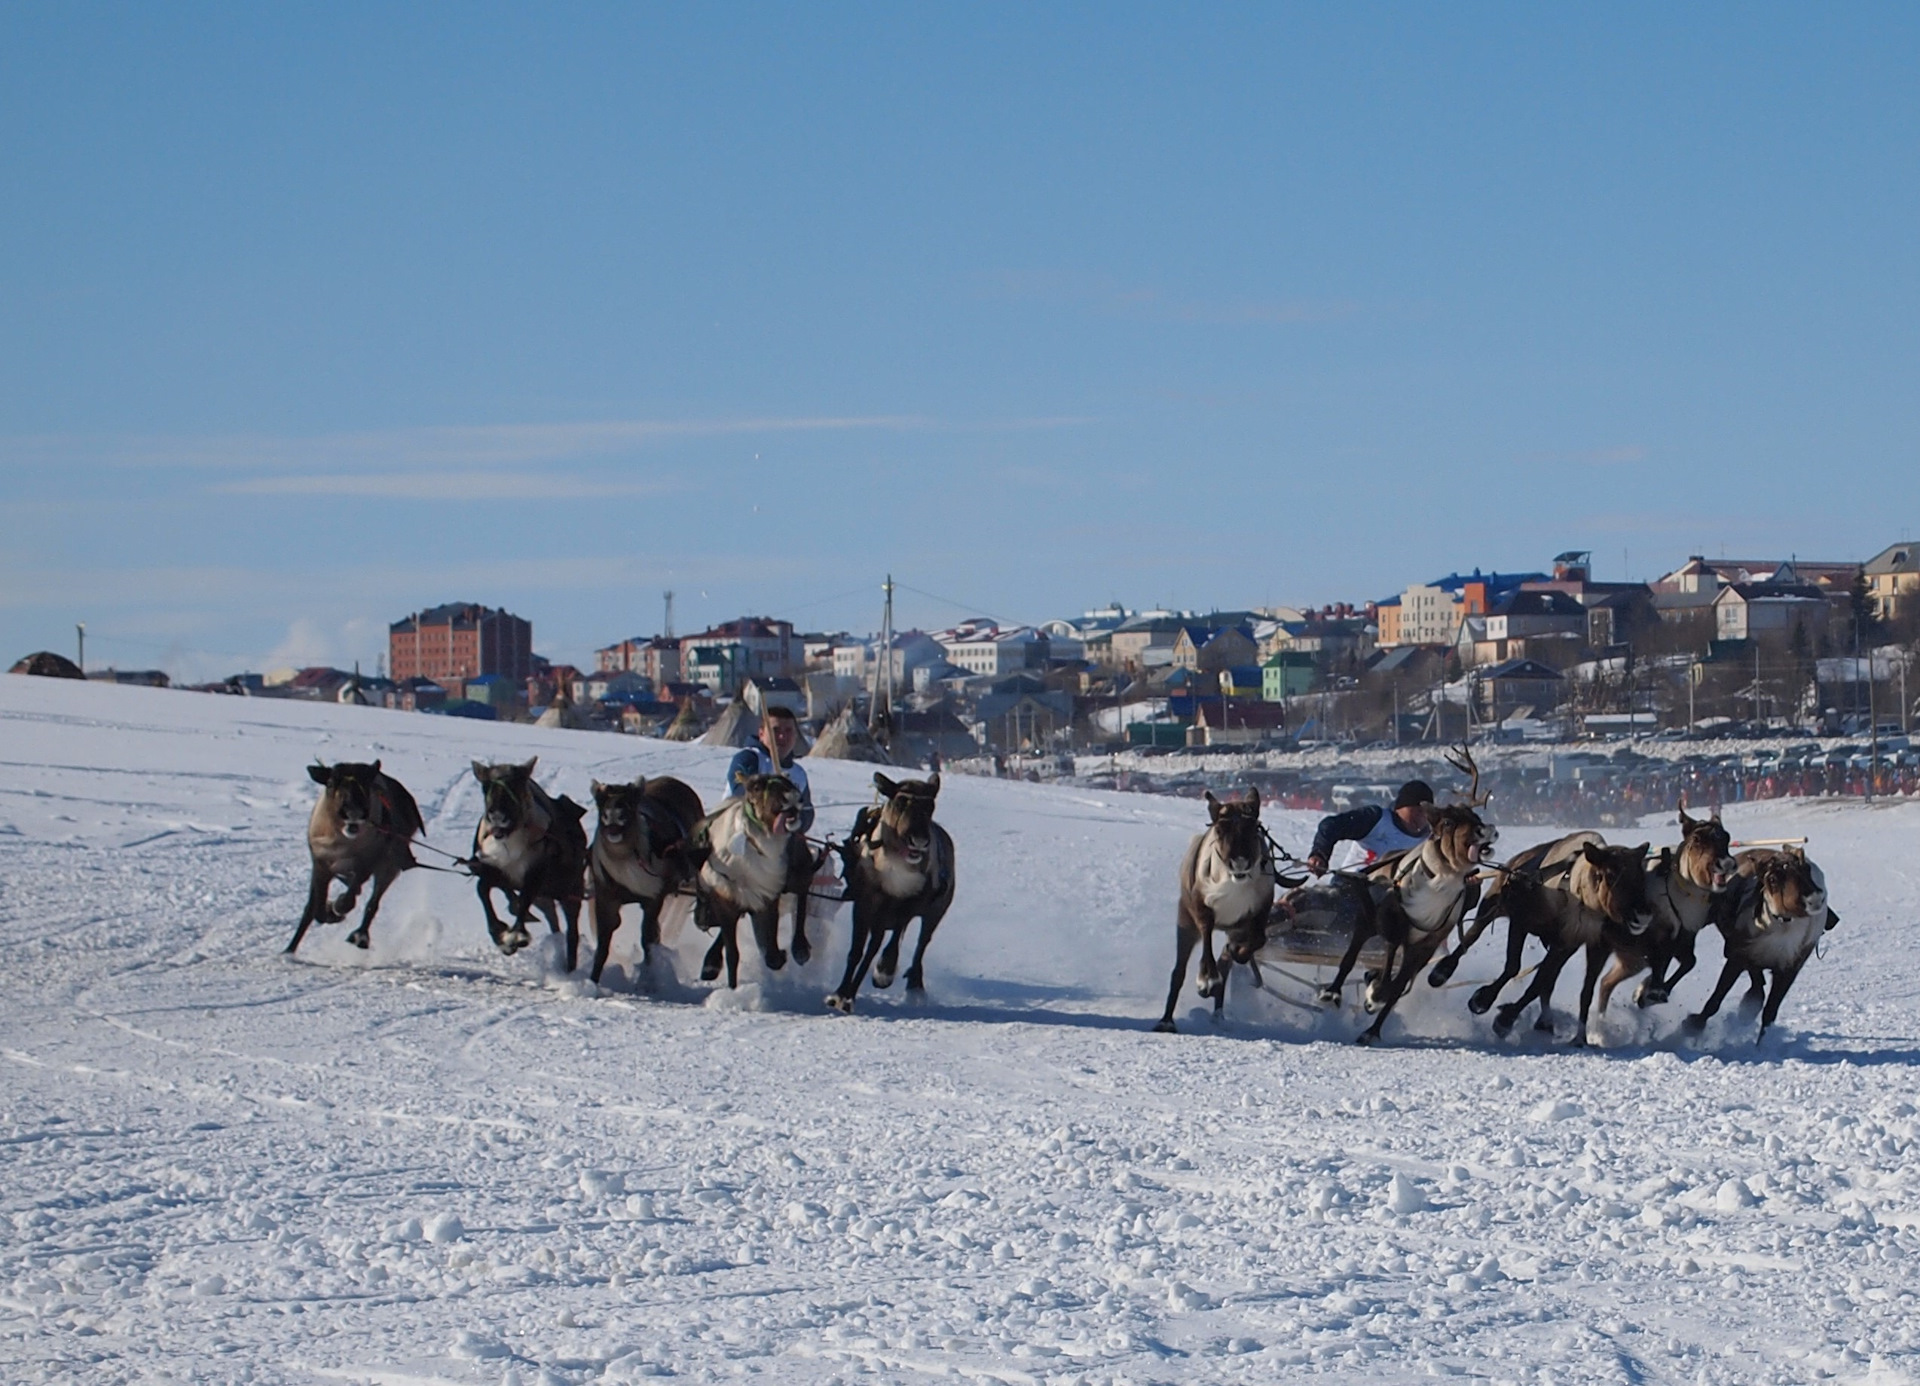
654	840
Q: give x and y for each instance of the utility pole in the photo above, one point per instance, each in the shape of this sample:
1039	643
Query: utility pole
81	627
667	630
1396	712
1756	682
881	713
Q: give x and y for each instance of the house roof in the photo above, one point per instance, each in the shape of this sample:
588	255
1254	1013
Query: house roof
1537	602
1496	582
1903	557
1398	658
746	628
1521	669
459	615
1769	592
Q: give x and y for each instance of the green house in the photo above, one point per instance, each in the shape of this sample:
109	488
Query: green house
1287	675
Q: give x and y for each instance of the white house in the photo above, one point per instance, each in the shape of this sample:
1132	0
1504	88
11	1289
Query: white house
983	648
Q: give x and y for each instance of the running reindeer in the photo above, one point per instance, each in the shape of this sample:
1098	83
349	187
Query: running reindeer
1777	915
750	853
1227	879
639	856
361	830
899	865
1683	888
1573	894
1412	900
532	848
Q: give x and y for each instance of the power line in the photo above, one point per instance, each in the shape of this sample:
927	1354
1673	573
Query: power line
948	601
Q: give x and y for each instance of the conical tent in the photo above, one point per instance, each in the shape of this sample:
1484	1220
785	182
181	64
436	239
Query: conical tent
846	739
736	727
686	726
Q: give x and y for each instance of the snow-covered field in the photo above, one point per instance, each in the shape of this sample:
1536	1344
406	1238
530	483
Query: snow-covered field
434	1164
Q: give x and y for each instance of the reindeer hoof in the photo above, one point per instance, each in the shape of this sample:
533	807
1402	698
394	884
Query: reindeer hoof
802	950
1503	1024
1166	1027
1694	1024
518	938
840	1004
708	971
1442	970
1650	996
915	981
1482	1001
882	978
1365	1038
1579	1041
776	959
358	938
1330	996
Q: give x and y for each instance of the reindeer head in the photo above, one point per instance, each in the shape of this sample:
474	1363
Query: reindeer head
1462	837
348	790
1706	852
506	794
1788	887
773	801
906	819
1237	834
1616	885
619	809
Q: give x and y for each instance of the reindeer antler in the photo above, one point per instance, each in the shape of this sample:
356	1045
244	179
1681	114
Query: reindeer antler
1461	759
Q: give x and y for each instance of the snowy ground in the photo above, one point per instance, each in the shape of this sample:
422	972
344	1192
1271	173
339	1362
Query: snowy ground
435	1164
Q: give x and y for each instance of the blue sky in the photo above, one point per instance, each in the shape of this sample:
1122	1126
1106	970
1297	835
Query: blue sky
317	315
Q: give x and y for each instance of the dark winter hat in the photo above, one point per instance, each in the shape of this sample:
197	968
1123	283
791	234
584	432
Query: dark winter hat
1413	792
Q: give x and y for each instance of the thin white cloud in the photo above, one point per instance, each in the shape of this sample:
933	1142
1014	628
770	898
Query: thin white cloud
445	486
454	446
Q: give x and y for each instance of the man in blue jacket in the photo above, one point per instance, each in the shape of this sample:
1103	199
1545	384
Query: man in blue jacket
773	755
1374	831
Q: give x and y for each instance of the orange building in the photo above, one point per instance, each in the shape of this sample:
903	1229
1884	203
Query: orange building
461	640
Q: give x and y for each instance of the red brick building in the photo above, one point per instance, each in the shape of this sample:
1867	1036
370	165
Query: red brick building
461	640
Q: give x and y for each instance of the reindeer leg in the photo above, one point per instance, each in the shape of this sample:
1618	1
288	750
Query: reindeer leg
842	999
874	937
800	883
1728	976
1483	997
1658	988
1596	959
316	906
570	906
1394	984
1186	935
722	926
1783	979
929	921
1220	990
766	932
483	886
1209	965
606	920
889	963
381	880
730	937
1444	969
1756	993
1623	968
1377	981
1541	991
1362	931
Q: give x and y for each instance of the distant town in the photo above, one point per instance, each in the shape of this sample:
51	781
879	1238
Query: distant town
1715	647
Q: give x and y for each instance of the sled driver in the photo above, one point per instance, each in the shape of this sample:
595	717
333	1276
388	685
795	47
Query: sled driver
1372	831
773	755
